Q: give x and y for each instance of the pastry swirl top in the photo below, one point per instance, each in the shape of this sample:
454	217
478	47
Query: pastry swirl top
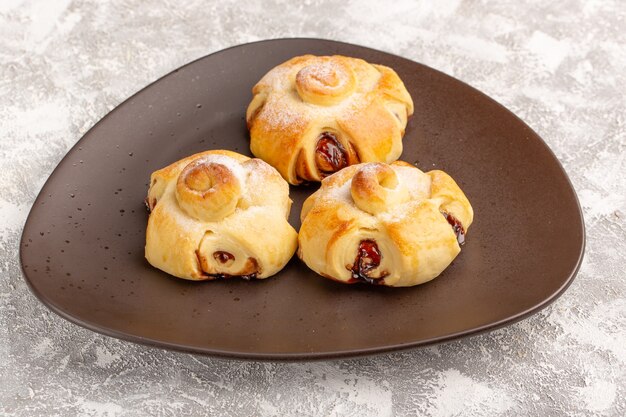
208	190
325	82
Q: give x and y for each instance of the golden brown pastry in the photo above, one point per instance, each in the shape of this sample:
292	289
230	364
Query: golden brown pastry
314	115
218	214
384	224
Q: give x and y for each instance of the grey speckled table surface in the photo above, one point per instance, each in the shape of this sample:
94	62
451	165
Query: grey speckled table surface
560	66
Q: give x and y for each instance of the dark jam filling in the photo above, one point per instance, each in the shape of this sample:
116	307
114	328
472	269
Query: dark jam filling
226	256
329	154
457	227
367	258
223	257
227	276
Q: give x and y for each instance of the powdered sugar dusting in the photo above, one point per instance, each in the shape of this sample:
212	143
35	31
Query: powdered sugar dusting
282	117
233	166
324	72
341	193
415	181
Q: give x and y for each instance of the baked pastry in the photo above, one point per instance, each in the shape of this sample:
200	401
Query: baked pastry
314	115
208	219
384	224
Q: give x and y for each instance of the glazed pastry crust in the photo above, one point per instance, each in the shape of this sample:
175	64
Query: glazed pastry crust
364	106
219	214
397	206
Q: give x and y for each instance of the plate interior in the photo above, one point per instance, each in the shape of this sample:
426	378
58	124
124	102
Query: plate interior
82	246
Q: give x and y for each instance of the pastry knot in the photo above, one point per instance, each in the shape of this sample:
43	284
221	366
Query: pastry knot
208	190
325	81
375	188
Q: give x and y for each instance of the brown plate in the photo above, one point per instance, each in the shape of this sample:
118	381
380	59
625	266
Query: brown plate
82	246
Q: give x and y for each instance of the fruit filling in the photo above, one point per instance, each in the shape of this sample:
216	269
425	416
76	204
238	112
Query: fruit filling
368	258
457	227
330	156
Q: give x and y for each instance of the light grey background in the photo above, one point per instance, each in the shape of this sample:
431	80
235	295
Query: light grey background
560	66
